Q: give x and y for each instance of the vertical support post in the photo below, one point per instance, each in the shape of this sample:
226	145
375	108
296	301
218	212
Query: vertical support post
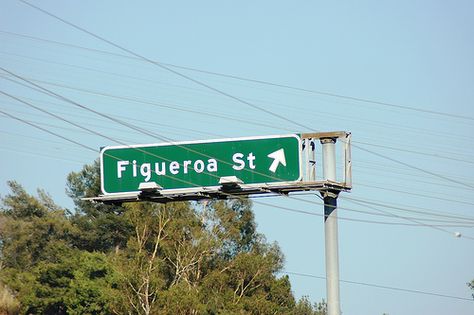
330	228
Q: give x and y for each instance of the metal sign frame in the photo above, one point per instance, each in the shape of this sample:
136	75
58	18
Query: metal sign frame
306	182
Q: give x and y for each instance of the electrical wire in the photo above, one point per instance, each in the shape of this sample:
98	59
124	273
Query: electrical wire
411	209
442	184
385	124
364	143
237	119
258	202
62	128
227	194
102	135
466	220
379	286
400	174
48	131
436	227
352	219
121	122
46	156
58	117
184	76
439	156
418	195
162	105
169	69
415	167
84	107
262	82
100	122
348	209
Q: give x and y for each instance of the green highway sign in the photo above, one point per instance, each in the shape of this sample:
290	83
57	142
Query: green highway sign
198	164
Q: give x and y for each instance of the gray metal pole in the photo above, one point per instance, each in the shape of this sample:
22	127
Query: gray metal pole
330	228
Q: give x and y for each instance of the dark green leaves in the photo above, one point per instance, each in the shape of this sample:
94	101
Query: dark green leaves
139	258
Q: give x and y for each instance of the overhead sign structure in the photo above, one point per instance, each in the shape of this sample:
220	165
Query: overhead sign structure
198	164
230	168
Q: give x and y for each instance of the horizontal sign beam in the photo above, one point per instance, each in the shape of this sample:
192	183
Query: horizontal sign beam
217	192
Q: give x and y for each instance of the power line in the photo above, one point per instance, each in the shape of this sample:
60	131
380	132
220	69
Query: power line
42	156
87	129
262	82
49	92
65	99
258	202
203	113
119	116
61	118
82	107
417	221
351	219
77	104
436	227
427	212
227	194
162	105
379	286
238	99
162	66
414	167
59	127
82	127
166	68
116	120
416	152
470	220
179	109
283	208
173	108
417	194
48	131
402	172
67	139
456	217
196	131
183	87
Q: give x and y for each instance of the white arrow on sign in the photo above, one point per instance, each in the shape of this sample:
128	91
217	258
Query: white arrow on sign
278	157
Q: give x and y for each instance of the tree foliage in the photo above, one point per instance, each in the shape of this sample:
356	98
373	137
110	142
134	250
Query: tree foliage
471	285
139	258
103	227
78	282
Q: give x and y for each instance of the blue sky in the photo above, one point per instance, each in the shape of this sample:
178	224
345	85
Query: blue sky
414	54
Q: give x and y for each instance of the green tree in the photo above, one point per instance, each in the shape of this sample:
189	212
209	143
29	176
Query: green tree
39	262
139	258
304	307
471	285
140	261
102	227
29	226
176	264
183	258
78	282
